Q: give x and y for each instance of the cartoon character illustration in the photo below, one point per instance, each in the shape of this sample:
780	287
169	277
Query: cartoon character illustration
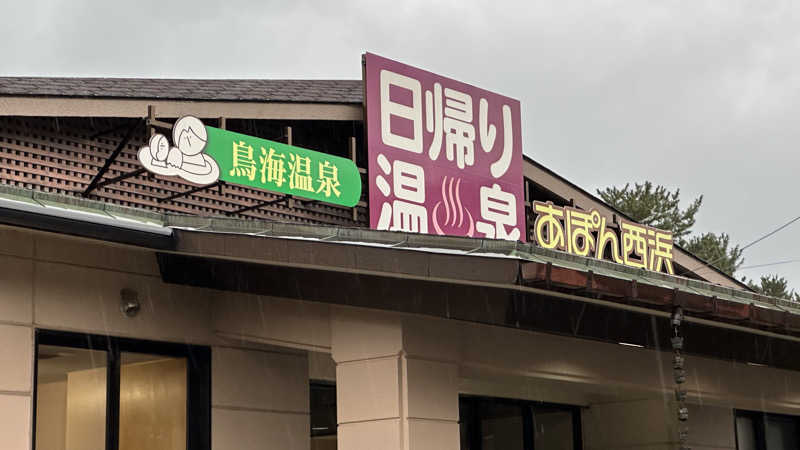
187	159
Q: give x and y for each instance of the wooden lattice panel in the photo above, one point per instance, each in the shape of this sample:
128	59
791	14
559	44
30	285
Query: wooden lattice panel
62	156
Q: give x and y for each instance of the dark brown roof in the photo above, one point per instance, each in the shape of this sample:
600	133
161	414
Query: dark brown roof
300	91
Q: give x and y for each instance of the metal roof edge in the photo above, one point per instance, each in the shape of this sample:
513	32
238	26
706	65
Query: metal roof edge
101	213
43	212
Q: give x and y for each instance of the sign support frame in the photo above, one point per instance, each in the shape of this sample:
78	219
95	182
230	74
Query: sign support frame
96	181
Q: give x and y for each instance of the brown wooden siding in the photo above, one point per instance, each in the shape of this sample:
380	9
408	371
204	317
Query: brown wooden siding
61	156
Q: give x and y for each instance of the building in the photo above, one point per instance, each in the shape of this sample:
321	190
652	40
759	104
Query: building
144	311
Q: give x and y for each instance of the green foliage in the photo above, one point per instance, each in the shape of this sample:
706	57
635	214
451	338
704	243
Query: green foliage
715	250
654	206
659	207
774	286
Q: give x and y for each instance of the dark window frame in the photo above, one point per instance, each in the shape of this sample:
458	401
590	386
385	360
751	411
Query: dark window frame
198	382
323	385
759	419
528	408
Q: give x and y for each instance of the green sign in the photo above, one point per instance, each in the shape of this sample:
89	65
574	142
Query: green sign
279	167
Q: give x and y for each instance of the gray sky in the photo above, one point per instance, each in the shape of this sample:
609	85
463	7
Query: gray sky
701	95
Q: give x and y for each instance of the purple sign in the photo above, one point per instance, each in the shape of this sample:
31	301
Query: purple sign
444	157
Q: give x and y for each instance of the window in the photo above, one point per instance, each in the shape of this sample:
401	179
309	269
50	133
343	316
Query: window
764	431
501	424
323	415
105	393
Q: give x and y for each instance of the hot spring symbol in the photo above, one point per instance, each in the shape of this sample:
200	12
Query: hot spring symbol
454	212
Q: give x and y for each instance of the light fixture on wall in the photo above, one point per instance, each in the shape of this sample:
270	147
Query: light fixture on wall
129	302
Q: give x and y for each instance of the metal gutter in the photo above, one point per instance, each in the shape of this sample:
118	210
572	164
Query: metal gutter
493	264
657	313
454	260
37	212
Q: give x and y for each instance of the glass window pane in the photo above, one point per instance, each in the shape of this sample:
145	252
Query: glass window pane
501	426
466	423
552	429
152	402
782	433
745	433
323	417
70	398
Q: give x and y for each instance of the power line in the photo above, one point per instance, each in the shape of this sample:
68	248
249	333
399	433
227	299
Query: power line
771	233
746	246
788	261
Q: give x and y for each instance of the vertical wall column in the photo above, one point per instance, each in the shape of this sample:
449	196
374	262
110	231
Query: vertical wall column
392	394
16	339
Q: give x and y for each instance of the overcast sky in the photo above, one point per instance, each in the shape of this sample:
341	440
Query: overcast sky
700	95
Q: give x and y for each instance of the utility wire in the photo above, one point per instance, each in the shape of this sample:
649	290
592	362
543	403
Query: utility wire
746	246
788	261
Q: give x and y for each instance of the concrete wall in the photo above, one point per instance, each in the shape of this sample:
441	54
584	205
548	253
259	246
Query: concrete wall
620	386
259	397
652	424
520	364
261	361
259	392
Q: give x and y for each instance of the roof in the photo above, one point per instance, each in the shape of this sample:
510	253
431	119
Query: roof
702	263
296	91
503	264
237	90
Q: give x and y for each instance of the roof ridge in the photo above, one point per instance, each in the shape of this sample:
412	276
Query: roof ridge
347	91
72	77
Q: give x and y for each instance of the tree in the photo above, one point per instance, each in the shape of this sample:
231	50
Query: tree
774	286
654	206
713	249
659	207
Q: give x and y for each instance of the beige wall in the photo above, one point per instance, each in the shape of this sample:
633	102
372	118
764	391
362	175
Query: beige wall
503	362
259	398
16	361
387	396
323	443
261	362
652	424
64	283
521	364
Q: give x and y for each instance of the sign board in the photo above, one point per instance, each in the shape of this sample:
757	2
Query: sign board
586	233
445	157
204	155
